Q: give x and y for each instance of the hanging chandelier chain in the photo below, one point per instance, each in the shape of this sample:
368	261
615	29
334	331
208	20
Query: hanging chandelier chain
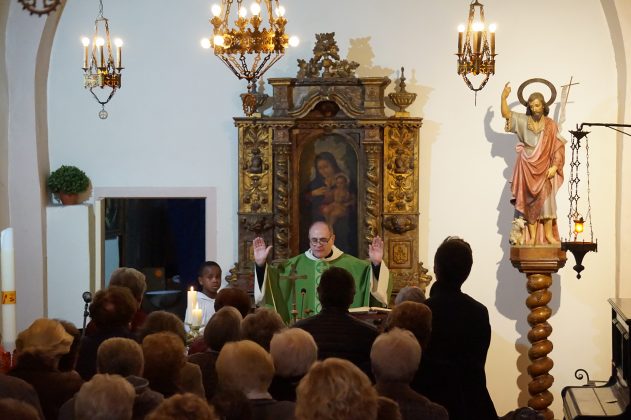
101	9
589	203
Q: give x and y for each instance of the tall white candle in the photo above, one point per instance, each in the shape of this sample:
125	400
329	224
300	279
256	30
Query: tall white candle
191	298
196	319
7	275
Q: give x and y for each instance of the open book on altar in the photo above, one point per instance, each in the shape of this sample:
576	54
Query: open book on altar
368	309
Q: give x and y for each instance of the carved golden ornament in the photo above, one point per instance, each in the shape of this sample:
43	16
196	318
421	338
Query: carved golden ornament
402	98
400	253
326	61
281	233
400	165
400	224
257	225
255	179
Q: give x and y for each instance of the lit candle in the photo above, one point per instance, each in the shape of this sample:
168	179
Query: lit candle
191	296
99	43
196	319
119	52
85	41
492	28
460	38
7	274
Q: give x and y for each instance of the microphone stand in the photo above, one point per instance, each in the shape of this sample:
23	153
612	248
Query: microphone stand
87	298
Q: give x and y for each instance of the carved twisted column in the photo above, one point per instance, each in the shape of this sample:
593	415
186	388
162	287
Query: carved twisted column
538	263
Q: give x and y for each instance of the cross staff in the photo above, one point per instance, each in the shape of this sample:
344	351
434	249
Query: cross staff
293	276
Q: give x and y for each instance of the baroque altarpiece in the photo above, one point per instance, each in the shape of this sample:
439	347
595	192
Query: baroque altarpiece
329	152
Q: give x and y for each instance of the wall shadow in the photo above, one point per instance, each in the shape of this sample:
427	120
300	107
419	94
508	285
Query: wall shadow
511	293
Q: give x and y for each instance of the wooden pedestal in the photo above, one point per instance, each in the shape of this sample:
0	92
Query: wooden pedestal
538	263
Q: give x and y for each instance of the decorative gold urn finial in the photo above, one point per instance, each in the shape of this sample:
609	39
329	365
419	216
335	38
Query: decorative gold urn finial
402	99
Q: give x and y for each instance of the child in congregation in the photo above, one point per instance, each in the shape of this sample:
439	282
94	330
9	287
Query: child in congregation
203	302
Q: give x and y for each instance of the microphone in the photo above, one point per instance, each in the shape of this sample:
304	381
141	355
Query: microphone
87	297
303	293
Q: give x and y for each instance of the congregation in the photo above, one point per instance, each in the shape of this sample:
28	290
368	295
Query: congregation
423	363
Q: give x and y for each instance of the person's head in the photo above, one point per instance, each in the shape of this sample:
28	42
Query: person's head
164	358
113	308
326	165
183	406
120	356
337	288
261	325
15	409
294	351
453	261
223	327
321	239
45	339
160	321
335	389
232	404
410	293
106	397
209	278
537	105
236	297
68	361
341	181
245	366
414	317
132	279
400	368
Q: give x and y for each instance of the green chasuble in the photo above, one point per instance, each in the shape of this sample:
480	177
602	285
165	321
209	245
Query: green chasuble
277	289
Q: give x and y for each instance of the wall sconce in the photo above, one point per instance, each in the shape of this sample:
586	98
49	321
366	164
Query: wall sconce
248	48
99	67
476	48
33	6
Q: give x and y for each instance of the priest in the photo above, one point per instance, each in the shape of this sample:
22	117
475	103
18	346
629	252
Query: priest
274	284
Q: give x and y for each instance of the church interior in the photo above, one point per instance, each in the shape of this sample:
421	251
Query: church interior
170	134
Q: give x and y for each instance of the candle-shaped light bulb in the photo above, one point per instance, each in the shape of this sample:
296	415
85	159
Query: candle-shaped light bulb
218	40
294	41
243	12
99	43
119	52
215	10
478	27
460	37
255	8
280	11
86	42
205	43
492	29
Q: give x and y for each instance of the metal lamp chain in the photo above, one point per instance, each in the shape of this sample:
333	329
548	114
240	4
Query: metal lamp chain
589	203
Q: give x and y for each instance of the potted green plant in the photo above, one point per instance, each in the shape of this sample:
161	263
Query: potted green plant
67	183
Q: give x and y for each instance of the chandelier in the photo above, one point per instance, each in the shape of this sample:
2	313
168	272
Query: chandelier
476	47
35	8
99	67
250	44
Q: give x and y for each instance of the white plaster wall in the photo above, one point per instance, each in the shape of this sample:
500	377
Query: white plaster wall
171	126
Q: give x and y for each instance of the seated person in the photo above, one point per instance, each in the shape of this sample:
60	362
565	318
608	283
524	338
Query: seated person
105	397
164	354
261	325
190	378
293	351
245	366
223	327
335	331
111	310
183	406
336	389
393	374
411	293
136	282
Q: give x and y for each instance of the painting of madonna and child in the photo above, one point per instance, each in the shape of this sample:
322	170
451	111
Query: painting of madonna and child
328	190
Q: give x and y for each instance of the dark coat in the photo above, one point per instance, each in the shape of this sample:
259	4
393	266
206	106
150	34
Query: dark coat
269	409
53	387
452	368
412	405
338	334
